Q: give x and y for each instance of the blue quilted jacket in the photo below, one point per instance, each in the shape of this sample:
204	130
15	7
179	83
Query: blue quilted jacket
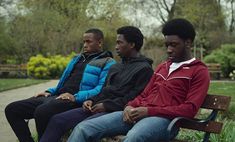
93	78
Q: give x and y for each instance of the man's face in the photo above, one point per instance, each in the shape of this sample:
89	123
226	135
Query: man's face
176	48
123	48
90	43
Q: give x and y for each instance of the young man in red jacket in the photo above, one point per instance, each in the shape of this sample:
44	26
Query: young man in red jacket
177	88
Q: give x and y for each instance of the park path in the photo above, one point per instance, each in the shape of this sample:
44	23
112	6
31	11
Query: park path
6	133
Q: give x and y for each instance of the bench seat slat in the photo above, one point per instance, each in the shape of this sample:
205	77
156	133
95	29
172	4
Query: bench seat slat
212	126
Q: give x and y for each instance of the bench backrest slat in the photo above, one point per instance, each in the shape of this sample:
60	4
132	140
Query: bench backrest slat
216	102
214	68
22	67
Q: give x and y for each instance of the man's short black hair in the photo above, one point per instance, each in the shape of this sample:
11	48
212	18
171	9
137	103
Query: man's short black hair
180	27
132	35
97	32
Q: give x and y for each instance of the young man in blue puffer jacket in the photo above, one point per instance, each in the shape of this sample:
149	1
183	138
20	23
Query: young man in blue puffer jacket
83	78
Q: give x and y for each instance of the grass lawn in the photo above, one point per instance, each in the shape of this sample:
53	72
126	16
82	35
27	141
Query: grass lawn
7	84
223	88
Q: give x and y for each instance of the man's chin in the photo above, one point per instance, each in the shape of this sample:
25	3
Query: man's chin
171	58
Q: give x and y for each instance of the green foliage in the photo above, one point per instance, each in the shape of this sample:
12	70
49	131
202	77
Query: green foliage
190	135
38	67
230	114
227	134
232	75
5	41
225	56
208	20
44	68
52	27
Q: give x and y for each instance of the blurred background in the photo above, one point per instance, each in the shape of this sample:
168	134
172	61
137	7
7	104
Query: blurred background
53	29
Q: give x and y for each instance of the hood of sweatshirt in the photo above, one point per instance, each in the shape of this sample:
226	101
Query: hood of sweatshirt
141	58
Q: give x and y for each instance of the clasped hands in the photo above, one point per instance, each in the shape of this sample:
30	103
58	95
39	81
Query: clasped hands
88	105
131	115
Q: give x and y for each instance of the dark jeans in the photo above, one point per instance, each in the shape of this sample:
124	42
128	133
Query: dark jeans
63	122
40	108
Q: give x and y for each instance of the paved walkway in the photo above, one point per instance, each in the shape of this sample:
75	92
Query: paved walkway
6	133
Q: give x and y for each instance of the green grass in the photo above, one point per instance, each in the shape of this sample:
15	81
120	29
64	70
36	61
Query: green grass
7	84
228	118
223	88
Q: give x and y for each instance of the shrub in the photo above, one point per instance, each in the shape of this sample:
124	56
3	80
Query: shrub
232	75
44	68
37	67
224	56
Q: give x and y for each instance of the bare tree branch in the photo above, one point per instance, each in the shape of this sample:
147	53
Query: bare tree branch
231	26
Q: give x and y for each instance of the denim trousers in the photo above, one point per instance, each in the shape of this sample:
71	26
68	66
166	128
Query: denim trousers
148	129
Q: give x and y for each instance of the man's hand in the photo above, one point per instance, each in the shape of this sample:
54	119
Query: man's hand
126	114
66	96
45	94
98	108
87	105
138	113
131	115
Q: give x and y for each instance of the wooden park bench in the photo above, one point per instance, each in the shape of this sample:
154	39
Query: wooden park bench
209	125
18	70
214	70
212	103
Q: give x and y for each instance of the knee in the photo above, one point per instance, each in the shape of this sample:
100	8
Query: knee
57	121
133	136
82	129
10	108
40	113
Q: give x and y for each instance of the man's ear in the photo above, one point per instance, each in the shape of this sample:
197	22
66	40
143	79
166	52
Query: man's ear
132	45
100	43
188	43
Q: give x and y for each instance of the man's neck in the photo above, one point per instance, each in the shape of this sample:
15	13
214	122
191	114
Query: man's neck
134	54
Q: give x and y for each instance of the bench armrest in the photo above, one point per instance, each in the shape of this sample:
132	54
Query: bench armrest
180	121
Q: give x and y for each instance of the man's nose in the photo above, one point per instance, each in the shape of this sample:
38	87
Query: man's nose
169	49
84	44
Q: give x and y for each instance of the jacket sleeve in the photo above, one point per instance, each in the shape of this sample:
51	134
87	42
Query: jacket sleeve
99	97
81	96
194	99
140	80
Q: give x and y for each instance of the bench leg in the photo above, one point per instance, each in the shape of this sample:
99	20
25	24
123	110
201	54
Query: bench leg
206	137
218	76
